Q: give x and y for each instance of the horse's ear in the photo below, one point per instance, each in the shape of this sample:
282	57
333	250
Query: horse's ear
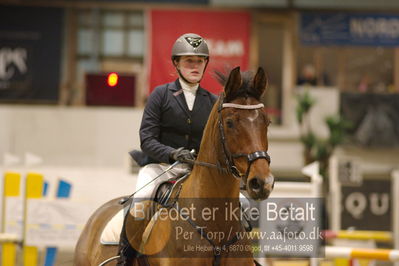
260	83
233	84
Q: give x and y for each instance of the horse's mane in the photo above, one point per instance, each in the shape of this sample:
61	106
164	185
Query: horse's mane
246	89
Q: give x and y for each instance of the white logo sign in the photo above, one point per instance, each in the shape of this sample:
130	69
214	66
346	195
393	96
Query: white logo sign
12	60
356	203
226	48
375	27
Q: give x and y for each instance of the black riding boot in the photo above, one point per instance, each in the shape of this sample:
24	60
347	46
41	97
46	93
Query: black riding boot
126	252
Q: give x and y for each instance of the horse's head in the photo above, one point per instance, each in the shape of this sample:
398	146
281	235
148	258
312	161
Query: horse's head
243	127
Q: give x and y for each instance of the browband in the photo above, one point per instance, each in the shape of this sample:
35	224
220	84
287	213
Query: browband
241	106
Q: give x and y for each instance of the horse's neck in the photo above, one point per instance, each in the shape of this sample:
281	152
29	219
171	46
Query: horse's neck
216	193
206	182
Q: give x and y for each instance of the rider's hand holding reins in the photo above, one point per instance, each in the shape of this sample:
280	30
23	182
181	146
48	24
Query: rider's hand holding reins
182	155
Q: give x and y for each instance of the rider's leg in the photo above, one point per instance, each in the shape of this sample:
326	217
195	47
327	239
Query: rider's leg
125	251
144	187
149	172
146	174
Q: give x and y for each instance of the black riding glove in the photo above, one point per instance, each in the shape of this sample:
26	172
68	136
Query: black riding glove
181	155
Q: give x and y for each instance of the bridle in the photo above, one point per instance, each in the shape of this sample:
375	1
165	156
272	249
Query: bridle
229	157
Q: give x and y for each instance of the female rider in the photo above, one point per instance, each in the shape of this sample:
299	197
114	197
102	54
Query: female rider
173	122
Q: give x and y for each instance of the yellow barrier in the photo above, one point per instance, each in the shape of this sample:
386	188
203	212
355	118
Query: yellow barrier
9	254
31	256
11	188
12	182
33	190
378	236
362	253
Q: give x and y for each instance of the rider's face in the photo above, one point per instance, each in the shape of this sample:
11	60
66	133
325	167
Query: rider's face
192	67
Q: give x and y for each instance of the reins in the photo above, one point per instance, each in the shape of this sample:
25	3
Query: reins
209	165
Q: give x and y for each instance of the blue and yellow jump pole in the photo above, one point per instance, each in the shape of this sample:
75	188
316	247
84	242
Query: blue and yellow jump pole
11	188
33	190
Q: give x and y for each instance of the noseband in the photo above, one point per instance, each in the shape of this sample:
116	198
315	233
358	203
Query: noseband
251	157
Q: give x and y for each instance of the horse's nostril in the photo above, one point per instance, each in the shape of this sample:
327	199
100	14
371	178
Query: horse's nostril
256	184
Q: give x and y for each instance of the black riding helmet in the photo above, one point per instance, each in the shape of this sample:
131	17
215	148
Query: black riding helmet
190	44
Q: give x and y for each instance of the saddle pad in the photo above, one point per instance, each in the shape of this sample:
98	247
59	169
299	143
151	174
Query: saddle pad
112	231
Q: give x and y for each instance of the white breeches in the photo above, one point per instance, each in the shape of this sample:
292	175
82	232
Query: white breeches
151	171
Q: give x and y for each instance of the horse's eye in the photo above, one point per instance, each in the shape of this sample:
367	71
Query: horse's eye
230	123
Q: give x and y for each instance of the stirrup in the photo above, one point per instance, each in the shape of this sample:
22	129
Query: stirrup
108	260
124	260
246	222
257	263
126	254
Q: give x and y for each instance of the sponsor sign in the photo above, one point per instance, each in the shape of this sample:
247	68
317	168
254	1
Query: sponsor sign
370	202
30	53
349	29
227	35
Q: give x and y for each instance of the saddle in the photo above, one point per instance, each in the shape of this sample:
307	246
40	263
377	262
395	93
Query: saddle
166	195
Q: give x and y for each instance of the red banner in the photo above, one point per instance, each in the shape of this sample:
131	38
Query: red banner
227	35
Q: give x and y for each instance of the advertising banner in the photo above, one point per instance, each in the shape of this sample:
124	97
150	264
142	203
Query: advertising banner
349	29
227	35
30	53
371	202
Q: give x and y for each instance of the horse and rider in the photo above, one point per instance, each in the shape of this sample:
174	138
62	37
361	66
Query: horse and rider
174	119
230	135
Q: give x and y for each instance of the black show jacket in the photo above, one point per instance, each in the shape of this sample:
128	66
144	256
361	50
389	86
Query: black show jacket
168	124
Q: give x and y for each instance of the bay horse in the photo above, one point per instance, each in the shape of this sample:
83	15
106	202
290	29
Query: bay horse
233	150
